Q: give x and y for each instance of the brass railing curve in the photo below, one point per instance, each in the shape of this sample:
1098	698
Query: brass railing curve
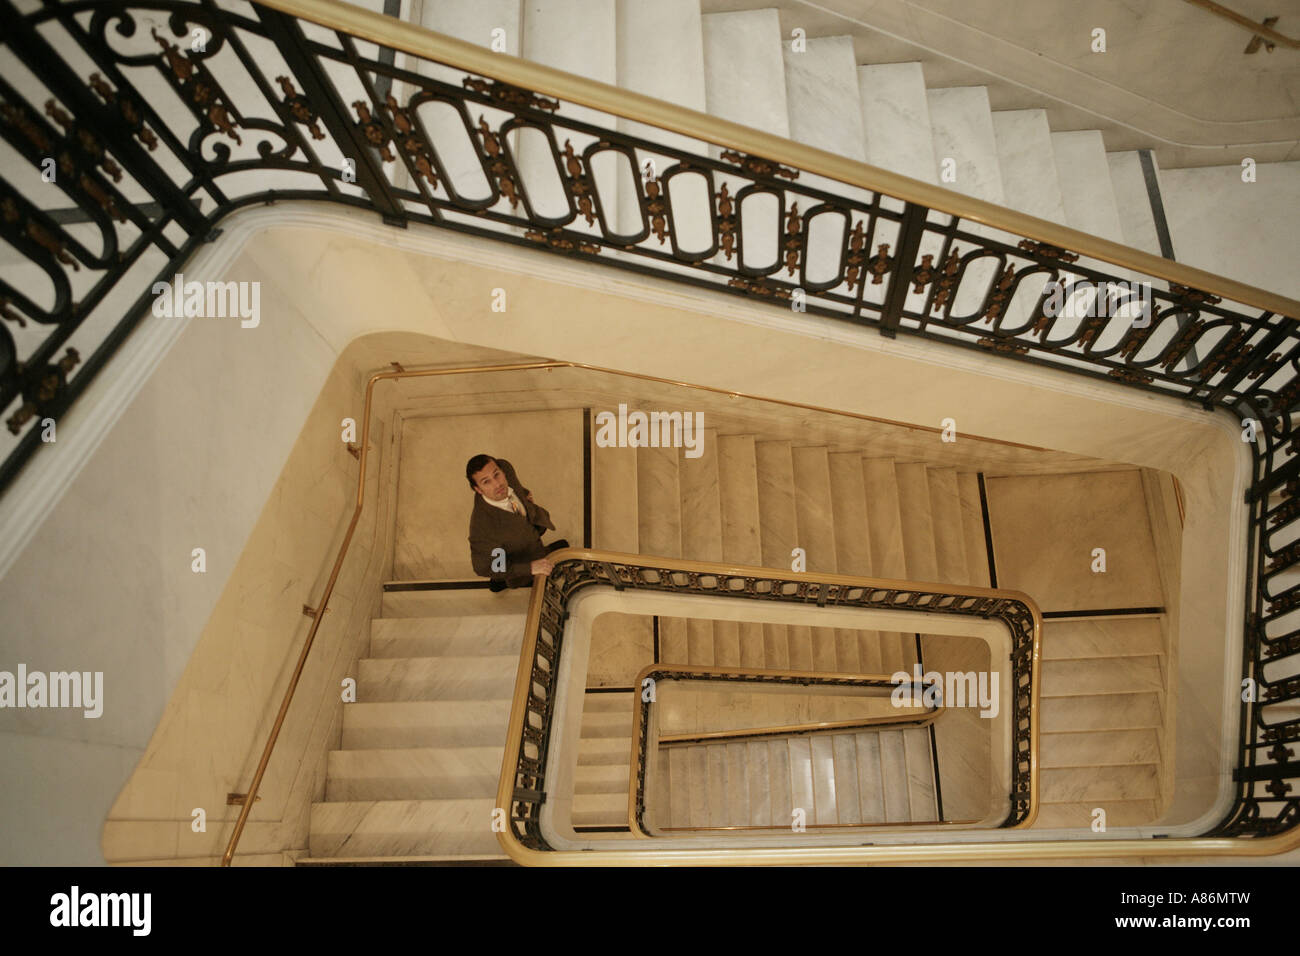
522	789
658	673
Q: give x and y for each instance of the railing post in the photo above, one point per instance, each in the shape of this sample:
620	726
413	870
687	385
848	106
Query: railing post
286	33
910	232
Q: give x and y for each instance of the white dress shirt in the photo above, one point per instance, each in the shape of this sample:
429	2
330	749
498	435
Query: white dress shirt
508	503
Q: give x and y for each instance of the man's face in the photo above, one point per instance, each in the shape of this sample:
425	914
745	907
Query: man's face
491	482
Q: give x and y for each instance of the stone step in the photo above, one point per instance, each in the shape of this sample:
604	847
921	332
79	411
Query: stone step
674	644
1101	637
658	502
739	475
478	635
972	521
608	702
488	677
614	522
1079	784
1133	201
449	723
896	120
917	522
599	809
946	521
605	751
389	828
443	773
1111	748
1084	678
606	723
452	603
602	778
1119	813
961	123
700	504
1100	712
744	76
1089	197
814	520
1028	163
888	554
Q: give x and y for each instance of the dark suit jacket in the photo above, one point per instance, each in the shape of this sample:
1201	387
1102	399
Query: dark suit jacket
520	535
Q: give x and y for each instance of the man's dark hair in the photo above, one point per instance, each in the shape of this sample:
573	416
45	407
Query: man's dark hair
475	465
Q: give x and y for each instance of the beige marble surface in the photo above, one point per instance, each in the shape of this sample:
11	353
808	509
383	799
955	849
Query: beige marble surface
1067	517
738	486
621	644
814	505
434	501
963	740
614	524
778	532
701	506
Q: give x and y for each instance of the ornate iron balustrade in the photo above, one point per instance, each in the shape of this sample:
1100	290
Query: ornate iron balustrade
530	729
658	673
126	148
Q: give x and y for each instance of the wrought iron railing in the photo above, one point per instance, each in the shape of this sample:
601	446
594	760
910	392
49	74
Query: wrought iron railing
523	786
645	740
132	129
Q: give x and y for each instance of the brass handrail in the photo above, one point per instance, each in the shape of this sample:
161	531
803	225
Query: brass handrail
420	41
523	773
401	373
955	853
739	674
792	730
1258	29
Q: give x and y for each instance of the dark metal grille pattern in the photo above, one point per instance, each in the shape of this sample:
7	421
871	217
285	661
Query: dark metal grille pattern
573	574
130	130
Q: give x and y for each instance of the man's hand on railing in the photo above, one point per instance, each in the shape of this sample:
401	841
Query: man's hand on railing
542	566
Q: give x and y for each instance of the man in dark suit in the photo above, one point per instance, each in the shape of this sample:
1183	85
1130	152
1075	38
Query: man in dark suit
505	517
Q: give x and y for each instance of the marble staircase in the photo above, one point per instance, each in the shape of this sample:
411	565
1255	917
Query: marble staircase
415	777
740	66
867	777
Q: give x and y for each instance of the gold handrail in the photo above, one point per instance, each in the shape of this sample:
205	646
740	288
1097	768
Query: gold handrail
739	675
524	677
790	730
952	853
1258	29
422	42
